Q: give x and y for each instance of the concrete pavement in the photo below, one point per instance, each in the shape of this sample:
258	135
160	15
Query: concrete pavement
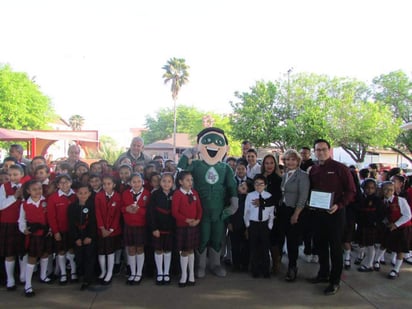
237	290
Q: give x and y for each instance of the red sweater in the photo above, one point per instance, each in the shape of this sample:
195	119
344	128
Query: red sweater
57	207
36	214
108	212
12	212
183	209
138	218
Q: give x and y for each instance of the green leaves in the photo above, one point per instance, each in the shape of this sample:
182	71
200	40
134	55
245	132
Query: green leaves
293	113
22	105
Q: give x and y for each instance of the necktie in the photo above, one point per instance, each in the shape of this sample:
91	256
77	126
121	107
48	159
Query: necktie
190	197
261	207
107	198
135	195
14	188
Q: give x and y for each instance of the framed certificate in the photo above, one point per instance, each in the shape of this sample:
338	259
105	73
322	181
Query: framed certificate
321	199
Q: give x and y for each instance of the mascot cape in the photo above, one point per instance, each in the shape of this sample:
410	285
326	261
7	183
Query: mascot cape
215	182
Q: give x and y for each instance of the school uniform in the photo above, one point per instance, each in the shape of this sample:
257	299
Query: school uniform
57	206
82	224
259	221
135	224
33	216
369	216
397	211
238	240
122	186
186	205
160	218
108	216
11	240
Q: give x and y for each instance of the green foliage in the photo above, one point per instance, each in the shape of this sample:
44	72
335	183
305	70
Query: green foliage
22	105
177	72
395	91
76	122
190	121
108	150
293	113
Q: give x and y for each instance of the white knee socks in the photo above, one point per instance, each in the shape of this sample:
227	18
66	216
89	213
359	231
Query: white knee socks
159	263
167	258
102	264
43	267
191	265
184	260
10	273
131	260
140	263
29	275
110	265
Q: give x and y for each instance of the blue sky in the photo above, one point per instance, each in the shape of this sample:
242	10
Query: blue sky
102	59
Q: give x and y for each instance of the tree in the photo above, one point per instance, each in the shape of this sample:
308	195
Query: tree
22	105
293	113
190	121
176	72
259	115
395	91
76	122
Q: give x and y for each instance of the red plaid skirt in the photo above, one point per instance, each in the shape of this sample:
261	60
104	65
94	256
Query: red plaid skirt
187	238
134	236
11	240
39	245
163	243
108	245
368	236
64	244
397	240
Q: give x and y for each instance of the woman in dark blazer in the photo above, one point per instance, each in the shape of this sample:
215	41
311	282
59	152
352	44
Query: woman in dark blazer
295	190
270	169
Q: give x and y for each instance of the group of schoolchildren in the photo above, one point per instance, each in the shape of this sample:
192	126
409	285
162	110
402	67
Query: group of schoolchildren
86	217
380	222
47	220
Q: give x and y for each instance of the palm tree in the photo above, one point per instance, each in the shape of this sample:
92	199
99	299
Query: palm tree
176	70
76	122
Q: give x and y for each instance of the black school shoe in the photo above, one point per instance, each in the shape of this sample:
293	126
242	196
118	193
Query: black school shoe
291	274
11	288
29	292
332	289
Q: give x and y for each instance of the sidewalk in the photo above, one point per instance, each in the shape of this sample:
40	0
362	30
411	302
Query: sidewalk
237	290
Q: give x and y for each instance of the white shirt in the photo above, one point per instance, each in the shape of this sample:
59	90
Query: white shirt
252	212
9	200
405	210
22	217
252	171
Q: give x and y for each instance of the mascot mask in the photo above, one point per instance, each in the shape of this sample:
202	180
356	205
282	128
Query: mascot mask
212	145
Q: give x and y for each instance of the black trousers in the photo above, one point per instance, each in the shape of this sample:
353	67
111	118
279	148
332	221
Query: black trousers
240	248
307	223
85	257
328	240
288	231
259	241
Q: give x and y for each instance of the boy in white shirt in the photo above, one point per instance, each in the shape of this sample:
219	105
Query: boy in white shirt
258	219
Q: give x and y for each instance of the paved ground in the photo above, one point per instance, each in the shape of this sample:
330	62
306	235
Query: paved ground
237	290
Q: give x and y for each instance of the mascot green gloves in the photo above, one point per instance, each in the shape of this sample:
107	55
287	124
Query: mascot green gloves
215	183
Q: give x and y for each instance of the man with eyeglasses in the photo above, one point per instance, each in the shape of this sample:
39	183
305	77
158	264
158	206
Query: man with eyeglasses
332	177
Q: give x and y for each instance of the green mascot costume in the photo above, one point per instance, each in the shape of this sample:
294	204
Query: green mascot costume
215	182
